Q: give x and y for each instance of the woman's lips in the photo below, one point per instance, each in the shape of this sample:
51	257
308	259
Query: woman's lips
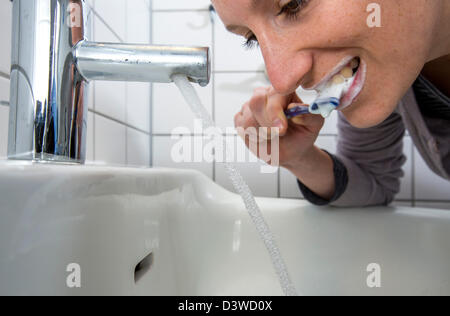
356	88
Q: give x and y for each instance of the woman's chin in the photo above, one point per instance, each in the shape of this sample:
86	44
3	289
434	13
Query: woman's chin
361	115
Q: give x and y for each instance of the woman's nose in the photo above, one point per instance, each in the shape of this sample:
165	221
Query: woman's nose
286	67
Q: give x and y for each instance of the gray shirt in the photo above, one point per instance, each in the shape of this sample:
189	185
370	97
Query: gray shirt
368	163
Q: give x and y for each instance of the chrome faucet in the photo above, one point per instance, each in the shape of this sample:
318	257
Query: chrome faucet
52	62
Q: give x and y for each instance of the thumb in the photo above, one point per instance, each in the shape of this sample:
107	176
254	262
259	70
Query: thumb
311	122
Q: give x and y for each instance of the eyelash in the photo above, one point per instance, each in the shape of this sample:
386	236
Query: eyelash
251	42
291	14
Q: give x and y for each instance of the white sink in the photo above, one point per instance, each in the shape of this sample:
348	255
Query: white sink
107	220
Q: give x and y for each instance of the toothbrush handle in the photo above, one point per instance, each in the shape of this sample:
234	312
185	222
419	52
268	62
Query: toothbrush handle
296	111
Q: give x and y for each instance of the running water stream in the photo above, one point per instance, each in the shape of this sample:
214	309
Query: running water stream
189	93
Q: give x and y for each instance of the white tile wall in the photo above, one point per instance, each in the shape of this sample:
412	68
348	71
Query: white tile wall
111	99
232	91
172	110
138	21
138	148
4	89
191	28
261	184
113	13
138	105
119	122
230	54
110	141
236	73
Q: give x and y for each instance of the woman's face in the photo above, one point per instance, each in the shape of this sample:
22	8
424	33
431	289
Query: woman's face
303	41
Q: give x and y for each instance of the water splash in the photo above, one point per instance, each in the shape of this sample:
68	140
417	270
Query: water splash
189	93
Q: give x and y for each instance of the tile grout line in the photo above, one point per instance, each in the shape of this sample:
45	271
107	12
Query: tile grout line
106	116
107	25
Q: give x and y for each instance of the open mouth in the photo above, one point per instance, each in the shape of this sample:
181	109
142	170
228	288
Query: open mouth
336	91
357	83
340	81
340	87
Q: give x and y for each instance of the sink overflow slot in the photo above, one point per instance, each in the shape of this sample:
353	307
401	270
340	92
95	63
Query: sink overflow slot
143	267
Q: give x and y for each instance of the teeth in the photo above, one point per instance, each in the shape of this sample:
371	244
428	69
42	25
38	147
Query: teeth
347	72
338	79
335	88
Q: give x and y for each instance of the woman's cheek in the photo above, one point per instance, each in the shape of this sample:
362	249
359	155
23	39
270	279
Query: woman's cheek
372	112
342	23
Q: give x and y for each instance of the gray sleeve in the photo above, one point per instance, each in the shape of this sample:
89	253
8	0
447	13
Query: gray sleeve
373	158
340	180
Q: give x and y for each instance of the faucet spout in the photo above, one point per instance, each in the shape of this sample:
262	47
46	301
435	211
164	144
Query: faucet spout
52	63
142	63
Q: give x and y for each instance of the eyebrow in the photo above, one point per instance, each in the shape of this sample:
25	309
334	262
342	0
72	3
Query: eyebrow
253	6
232	28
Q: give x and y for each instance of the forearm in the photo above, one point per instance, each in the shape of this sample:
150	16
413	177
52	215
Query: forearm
315	171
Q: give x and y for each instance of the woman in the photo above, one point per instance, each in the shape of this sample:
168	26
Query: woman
403	82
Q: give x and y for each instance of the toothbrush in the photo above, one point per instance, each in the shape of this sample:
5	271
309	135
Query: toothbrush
331	103
329	95
296	111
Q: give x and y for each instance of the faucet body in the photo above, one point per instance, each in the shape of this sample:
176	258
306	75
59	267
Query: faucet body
52	62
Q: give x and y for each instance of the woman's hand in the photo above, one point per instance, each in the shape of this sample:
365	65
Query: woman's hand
312	166
266	109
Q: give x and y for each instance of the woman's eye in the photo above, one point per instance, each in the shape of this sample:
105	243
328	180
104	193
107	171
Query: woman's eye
251	41
292	9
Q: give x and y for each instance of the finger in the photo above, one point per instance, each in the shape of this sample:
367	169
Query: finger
257	105
267	108
245	122
274	111
312	122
